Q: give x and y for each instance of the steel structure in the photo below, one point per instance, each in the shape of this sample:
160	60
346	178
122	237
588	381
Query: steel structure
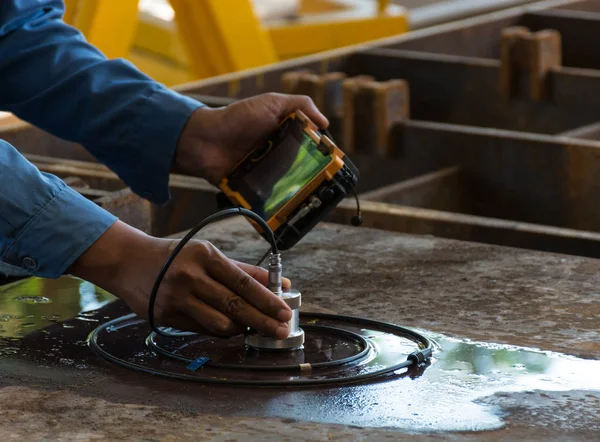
484	130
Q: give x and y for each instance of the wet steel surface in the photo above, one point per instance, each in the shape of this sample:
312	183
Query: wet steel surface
450	291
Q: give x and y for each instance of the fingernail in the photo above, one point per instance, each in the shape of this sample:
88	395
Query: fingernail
284	315
282	331
286	283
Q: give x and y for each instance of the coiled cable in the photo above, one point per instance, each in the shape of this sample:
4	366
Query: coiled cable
416	358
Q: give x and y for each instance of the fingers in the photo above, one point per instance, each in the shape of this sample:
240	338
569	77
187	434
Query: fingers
214	322
239	311
306	105
260	274
208	293
291	103
245	286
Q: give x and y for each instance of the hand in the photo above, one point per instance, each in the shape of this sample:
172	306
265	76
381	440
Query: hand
203	291
215	140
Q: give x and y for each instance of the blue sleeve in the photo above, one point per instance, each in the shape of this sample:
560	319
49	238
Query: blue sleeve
44	224
51	77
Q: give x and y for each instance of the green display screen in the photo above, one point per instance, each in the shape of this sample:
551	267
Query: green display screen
285	171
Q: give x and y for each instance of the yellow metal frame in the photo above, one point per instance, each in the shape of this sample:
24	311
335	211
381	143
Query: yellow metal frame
222	36
337	30
160	37
214	37
107	24
158	51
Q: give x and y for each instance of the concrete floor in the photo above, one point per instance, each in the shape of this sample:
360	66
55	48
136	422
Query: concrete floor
465	290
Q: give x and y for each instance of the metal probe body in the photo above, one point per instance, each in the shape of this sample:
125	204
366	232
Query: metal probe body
276	274
292	298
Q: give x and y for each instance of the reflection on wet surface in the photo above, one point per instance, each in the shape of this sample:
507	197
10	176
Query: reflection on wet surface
444	397
33	304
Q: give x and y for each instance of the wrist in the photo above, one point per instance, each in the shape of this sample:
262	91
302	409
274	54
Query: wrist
194	142
103	262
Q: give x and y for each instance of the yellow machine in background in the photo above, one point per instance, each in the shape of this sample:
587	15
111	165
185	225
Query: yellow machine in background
182	40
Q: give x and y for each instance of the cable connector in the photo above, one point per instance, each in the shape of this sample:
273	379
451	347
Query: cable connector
420	356
314	203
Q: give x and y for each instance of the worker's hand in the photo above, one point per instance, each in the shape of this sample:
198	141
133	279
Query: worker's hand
203	291
215	140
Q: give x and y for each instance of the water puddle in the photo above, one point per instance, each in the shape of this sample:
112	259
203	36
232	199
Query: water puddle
33	299
34	304
449	395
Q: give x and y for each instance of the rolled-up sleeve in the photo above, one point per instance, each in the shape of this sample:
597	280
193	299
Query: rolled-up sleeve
44	224
51	77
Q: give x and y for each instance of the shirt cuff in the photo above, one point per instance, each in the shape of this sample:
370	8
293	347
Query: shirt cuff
158	137
58	234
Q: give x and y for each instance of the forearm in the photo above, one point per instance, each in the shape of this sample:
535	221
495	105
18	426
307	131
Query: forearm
52	78
44	225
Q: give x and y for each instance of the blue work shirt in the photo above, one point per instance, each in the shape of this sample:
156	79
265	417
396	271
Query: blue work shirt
51	77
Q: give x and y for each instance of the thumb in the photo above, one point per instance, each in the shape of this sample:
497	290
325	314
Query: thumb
291	103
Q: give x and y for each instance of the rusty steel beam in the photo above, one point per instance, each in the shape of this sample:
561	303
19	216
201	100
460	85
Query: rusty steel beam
268	78
350	121
589	132
574	88
527	62
303	82
29	139
536	179
379	110
441	12
76	168
581	5
481	40
464	227
325	90
333	102
444	189
264	79
467	91
579	31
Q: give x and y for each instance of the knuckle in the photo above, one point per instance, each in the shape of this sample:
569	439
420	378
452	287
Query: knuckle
305	101
205	249
177	276
244	285
233	306
255	272
267	324
209	255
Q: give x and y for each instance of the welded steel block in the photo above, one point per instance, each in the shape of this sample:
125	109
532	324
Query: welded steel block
527	62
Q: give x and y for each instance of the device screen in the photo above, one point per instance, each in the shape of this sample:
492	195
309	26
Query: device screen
281	173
